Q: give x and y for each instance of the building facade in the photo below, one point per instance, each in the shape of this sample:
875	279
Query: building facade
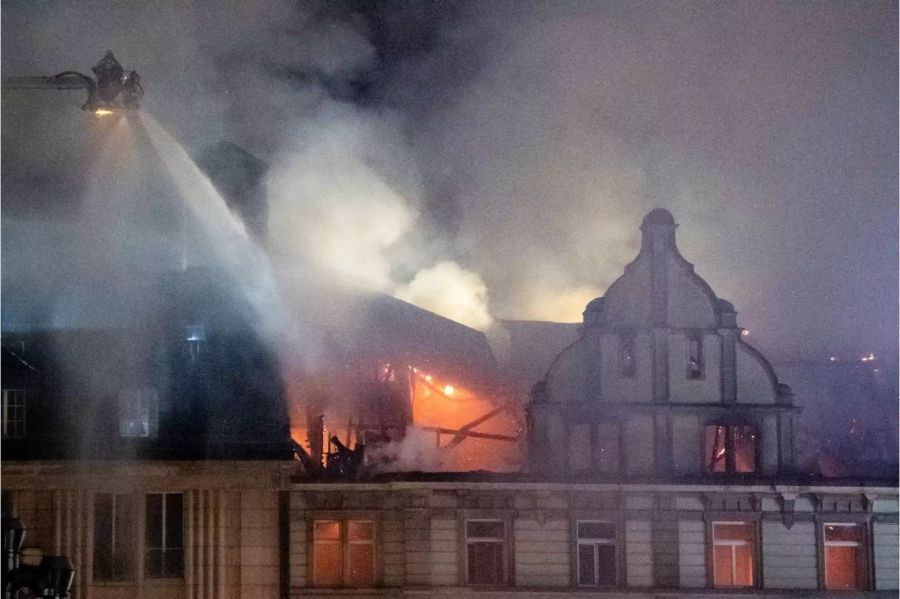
660	463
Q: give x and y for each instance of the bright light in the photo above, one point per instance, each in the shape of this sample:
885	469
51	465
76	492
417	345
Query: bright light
448	390
745	332
833	359
428	378
868	358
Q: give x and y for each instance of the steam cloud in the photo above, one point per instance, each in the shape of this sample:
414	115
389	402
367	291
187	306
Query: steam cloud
524	142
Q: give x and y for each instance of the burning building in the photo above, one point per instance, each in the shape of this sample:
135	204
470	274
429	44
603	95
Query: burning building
655	456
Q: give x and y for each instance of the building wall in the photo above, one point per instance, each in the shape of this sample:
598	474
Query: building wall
662	541
230	523
789	555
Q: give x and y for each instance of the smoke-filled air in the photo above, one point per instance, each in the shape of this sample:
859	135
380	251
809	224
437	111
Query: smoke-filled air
487	162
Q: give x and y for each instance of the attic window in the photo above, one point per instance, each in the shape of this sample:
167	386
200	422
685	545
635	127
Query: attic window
695	357
626	355
731	448
138	412
13	414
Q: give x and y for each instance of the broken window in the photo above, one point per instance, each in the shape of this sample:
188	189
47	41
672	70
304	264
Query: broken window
164	535
138	413
596	553
12	417
627	364
695	357
731	448
335	539
486	552
845	561
734	554
113	537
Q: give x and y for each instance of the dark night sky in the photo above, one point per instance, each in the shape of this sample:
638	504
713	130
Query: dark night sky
525	140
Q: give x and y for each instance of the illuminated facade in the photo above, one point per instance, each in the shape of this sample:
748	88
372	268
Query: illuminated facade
659	460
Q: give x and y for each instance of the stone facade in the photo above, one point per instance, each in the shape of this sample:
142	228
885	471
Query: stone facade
661	535
231	515
659	361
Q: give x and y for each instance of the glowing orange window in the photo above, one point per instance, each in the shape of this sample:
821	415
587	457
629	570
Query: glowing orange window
734	554
731	448
343	553
845	561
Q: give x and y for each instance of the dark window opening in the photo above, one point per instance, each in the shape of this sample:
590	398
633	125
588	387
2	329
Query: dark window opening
695	357
731	448
113	537
596	553
627	362
486	552
165	535
12	414
607	459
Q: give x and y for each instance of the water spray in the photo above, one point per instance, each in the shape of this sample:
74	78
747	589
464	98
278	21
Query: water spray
113	89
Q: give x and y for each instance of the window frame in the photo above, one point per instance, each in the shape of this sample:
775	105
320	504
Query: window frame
132	516
506	546
343	520
627	345
615	542
21	396
164	548
690	373
147	399
733	519
730	469
865	545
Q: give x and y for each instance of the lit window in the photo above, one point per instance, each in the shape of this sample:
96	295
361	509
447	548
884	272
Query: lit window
486	552
165	535
845	563
360	553
695	358
734	554
606	450
332	540
626	355
138	412
13	413
731	448
113	537
596	554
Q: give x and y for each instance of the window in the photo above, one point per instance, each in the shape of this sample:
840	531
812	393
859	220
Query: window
335	540
486	552
731	448
138	413
13	414
195	337
596	553
113	537
606	449
734	554
845	560
165	535
579	447
695	357
626	355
